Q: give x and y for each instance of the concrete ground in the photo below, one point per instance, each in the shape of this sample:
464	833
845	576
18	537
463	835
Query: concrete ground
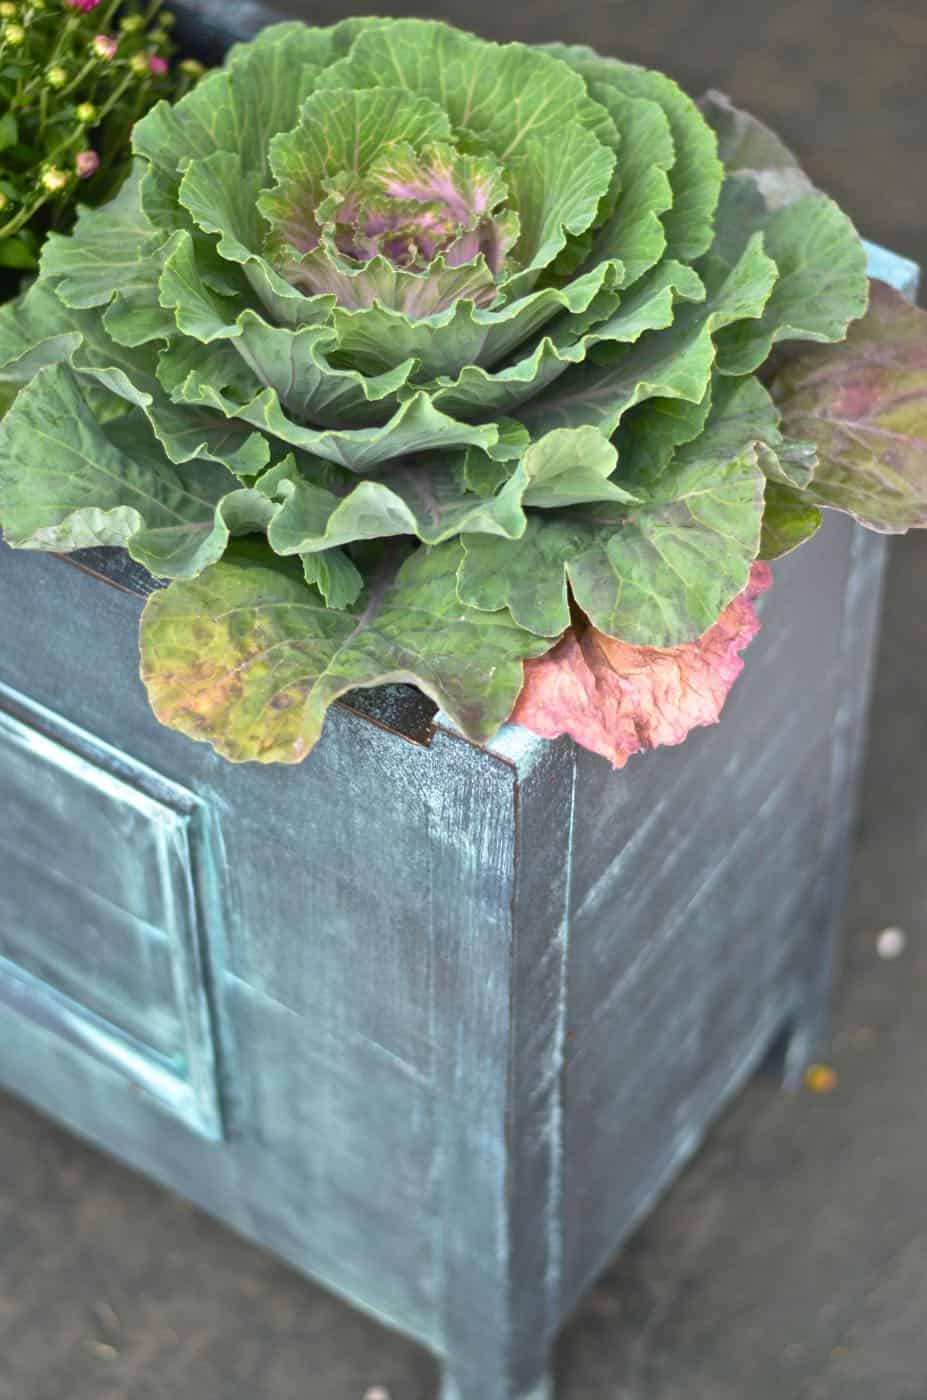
790	1262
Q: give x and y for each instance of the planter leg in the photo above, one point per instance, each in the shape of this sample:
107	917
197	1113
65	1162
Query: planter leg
803	1038
477	1387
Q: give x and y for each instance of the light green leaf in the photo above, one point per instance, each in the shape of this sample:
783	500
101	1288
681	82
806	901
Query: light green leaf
696	174
674	363
657	572
443	343
431	497
66	483
335	576
35	330
634	232
556	187
505	94
822	283
416	426
238	109
648	306
247	657
107	251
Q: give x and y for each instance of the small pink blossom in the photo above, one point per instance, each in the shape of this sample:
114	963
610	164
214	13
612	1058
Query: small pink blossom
86	163
157	65
106	46
85	6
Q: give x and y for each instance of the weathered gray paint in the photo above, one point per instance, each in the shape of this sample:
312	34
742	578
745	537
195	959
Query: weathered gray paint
436	1023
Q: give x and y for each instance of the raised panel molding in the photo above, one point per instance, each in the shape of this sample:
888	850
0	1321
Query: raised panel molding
108	904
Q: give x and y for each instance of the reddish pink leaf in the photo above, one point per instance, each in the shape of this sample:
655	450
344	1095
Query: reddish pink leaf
617	699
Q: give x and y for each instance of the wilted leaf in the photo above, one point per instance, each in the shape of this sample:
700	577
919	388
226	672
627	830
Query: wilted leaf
617	699
864	405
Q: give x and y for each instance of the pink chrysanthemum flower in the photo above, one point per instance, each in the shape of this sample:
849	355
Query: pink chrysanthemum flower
85	6
157	65
86	163
105	45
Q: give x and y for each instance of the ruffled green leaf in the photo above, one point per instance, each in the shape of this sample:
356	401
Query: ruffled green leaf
696	174
248	658
504	94
66	483
433	498
675	363
822	283
238	109
648	306
106	250
445	343
657	572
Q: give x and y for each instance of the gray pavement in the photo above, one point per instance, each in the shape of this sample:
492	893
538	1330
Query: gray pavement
790	1262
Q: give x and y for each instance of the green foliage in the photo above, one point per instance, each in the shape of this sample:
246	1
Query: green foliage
74	76
457	337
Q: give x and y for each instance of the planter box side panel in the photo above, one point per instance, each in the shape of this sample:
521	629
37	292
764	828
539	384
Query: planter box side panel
346	891
707	896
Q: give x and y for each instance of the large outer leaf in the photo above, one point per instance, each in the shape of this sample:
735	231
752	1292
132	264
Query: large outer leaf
747	146
864	405
657	572
240	108
107	249
66	483
821	259
822	284
431	497
505	94
247	657
672	363
618	700
696	173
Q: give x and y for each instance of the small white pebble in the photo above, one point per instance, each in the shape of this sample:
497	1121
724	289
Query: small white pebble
377	1392
891	943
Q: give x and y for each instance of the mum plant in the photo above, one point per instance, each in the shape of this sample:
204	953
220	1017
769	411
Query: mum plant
411	357
74	76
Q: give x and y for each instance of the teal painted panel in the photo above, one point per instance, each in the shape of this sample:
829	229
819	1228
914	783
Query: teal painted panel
103	876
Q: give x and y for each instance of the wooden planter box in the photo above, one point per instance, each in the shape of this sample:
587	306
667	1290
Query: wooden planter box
435	1023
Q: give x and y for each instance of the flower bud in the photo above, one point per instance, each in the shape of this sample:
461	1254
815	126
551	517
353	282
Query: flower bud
131	24
7	10
14	34
4	201
158	36
139	63
167	19
157	65
54	180
192	67
85	112
56	77
105	46
86	163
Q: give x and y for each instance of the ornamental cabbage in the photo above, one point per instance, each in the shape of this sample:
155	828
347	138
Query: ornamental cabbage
401	349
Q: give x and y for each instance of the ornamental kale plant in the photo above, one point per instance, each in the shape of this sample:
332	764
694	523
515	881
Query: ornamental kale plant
73	79
411	357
